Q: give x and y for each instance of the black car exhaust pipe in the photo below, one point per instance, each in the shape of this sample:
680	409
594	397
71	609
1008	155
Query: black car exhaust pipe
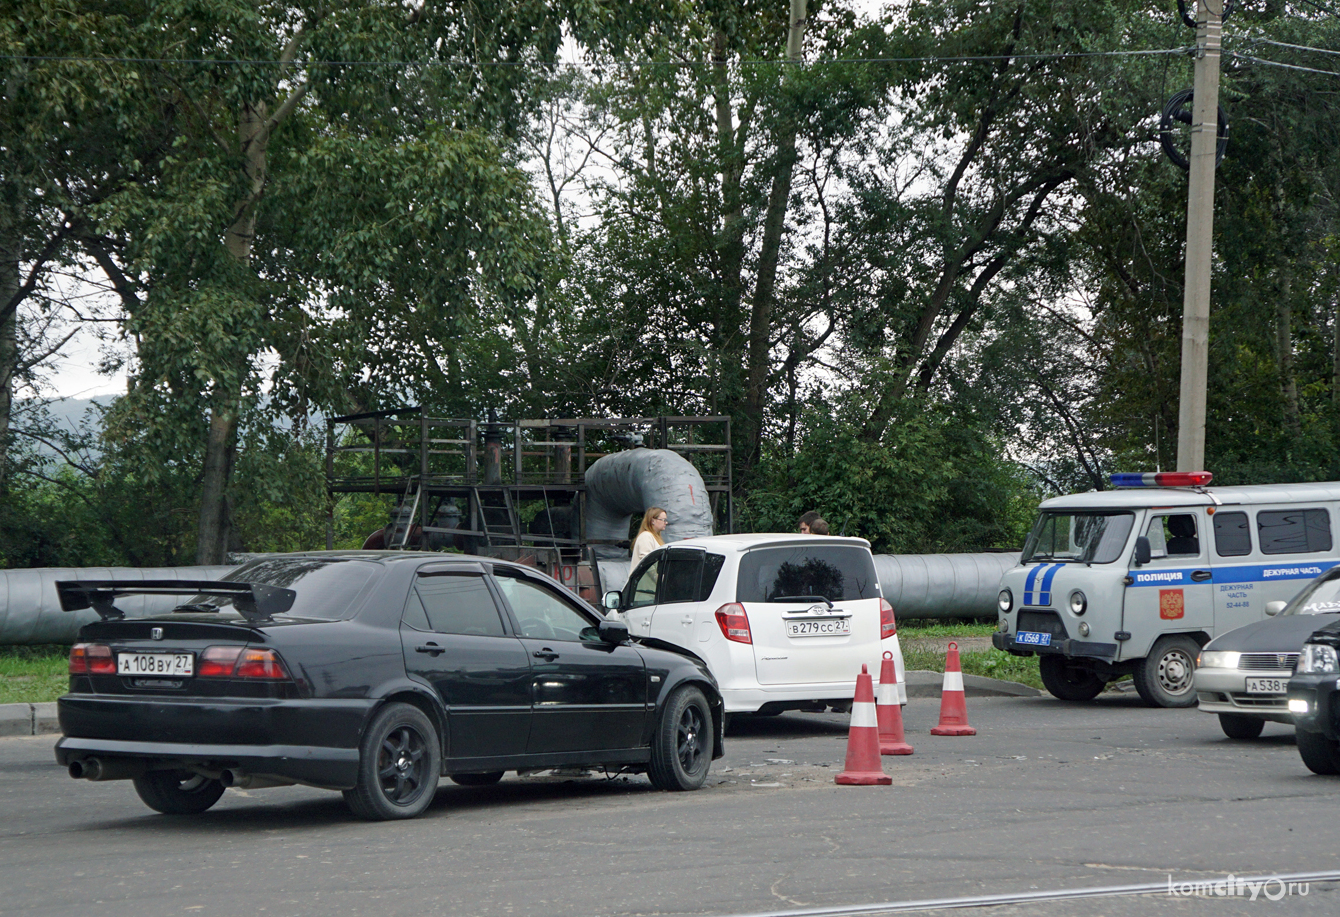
105	769
244	781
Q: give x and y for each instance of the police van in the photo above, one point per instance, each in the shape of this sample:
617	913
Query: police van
1134	581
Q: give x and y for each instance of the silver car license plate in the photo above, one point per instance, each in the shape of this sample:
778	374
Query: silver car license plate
1267	685
819	627
178	665
1033	638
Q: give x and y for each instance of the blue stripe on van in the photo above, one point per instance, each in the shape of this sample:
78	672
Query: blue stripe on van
1247	573
1043	596
1046	597
1028	584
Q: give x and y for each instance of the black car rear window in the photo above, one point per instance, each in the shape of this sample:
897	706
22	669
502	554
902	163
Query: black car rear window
326	586
835	572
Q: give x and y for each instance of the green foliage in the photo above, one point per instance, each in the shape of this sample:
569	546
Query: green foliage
932	485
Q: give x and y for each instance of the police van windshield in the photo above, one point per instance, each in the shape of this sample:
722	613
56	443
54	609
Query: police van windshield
1320	598
1087	537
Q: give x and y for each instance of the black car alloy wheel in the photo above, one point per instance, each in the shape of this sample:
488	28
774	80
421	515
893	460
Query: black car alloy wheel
681	750
399	764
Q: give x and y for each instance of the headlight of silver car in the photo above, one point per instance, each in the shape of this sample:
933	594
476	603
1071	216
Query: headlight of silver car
1218	659
1005	601
1078	603
1319	659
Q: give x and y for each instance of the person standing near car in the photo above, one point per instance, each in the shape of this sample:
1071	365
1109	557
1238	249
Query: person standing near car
812	524
649	535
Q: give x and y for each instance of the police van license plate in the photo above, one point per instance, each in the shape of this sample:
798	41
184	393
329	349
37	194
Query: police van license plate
1033	638
819	627
180	665
1267	685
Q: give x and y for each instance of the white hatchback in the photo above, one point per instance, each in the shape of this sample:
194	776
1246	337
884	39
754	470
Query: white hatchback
784	622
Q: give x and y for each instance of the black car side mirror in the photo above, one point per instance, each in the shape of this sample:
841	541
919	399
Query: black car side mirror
615	632
1142	553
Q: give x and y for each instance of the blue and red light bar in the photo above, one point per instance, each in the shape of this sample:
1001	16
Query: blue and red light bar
1163	479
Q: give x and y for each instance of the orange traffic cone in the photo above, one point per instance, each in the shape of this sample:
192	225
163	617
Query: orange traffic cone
953	704
863	767
890	712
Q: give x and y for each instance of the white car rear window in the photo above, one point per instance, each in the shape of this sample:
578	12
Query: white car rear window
780	574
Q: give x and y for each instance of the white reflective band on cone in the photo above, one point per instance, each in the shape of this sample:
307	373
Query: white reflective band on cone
863	714
953	681
902	693
887	694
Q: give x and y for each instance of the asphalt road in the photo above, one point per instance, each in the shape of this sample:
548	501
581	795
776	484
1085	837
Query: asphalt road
1048	797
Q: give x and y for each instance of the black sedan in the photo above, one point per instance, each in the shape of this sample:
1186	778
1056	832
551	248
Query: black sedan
373	673
1314	701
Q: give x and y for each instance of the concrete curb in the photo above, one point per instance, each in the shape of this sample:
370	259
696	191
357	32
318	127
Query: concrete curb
921	683
28	719
40	719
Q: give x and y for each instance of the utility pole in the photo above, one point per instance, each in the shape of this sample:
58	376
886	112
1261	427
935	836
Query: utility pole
1199	238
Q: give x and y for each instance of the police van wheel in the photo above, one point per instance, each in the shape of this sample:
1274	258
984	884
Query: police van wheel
1165	678
1067	681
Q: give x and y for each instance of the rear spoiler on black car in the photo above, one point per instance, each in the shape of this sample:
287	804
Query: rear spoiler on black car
256	602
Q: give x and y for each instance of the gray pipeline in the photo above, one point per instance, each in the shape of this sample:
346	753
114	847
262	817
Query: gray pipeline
624	485
953	587
946	586
949	586
30	611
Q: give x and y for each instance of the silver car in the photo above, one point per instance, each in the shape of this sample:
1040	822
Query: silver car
1244	674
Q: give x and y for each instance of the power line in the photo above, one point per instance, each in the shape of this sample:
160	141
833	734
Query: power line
598	65
1237	55
1281	44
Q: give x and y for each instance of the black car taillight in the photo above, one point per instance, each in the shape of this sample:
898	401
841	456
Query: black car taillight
256	663
241	662
91	659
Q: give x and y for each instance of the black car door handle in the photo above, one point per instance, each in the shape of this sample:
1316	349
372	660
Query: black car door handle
1200	576
546	654
431	649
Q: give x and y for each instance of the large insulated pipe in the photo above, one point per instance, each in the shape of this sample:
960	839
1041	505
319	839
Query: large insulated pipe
30	610
954	586
623	485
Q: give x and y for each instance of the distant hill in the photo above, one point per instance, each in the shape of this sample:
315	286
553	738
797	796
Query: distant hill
71	412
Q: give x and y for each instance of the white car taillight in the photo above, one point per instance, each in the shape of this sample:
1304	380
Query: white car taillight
888	627
734	623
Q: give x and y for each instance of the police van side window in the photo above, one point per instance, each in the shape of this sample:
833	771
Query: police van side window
1294	531
1232	535
1173	536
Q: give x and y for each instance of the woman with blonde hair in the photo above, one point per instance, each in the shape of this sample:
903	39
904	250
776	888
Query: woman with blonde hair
649	535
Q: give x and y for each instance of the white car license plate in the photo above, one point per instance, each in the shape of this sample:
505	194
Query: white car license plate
179	665
819	627
1033	638
1267	685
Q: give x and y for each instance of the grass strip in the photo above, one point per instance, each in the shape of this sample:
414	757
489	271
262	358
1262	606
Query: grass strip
988	663
33	674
